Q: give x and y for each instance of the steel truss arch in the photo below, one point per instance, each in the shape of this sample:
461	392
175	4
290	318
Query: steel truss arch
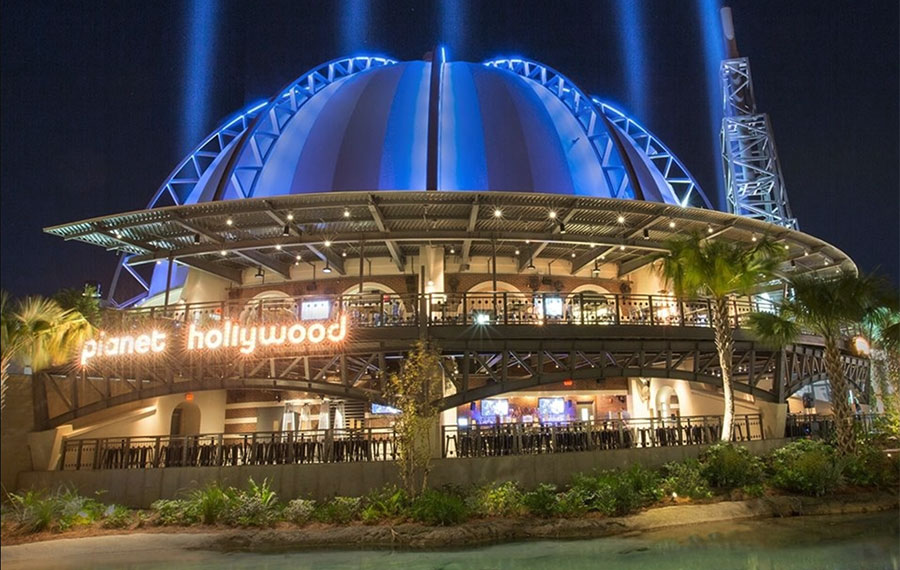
684	185
256	148
181	181
587	114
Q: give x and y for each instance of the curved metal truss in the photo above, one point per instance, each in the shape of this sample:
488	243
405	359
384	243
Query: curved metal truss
684	186
180	183
264	134
585	112
258	138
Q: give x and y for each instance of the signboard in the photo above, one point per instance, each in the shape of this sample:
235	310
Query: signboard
245	338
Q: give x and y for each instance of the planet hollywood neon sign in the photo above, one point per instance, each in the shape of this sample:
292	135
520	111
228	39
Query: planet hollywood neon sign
226	336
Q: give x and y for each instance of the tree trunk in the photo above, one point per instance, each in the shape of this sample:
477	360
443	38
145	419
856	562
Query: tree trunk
725	348
840	403
4	376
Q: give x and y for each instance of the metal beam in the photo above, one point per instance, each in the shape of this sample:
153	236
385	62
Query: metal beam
467	243
213	269
279	267
396	253
536	250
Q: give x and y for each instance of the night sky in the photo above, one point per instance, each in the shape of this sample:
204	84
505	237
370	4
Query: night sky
94	110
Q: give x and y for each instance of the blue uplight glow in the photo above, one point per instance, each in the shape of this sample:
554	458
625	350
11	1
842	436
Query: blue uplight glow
354	23
453	23
202	23
632	43
713	54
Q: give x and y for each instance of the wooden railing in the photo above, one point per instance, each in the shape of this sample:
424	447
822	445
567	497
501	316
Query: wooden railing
523	439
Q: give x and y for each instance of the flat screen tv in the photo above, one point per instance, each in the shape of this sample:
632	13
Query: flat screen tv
382	409
491	408
552	409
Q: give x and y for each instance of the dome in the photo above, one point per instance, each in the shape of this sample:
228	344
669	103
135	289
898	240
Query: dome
371	124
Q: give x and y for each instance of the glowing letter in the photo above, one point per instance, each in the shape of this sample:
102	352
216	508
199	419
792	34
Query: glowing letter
316	333
195	338
337	331
159	341
142	344
271	338
112	347
296	334
89	350
213	338
248	340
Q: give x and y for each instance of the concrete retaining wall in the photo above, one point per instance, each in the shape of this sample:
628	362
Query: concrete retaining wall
140	487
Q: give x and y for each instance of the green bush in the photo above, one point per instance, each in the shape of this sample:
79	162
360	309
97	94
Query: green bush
571	503
300	511
439	508
806	466
497	500
117	516
729	466
871	467
617	492
543	501
175	512
211	503
685	479
389	502
339	510
256	506
34	511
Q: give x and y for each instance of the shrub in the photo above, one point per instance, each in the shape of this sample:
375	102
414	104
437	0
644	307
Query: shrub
300	511
806	466
388	502
871	467
256	506
728	466
339	510
617	492
497	499
117	516
175	512
543	501
572	502
34	511
210	502
439	508
685	479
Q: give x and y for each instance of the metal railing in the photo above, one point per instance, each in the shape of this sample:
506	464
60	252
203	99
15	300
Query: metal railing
225	450
524	439
822	426
436	309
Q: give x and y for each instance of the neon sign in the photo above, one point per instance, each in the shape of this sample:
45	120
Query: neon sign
248	338
154	341
228	335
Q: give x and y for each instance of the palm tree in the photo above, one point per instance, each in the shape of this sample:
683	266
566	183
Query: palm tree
37	332
881	328
827	308
698	267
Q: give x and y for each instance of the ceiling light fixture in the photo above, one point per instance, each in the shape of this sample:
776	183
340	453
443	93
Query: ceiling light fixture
229	222
552	214
327	268
278	246
621	219
672	224
287	230
346	213
327	243
646	233
290	216
498	213
196	239
223	253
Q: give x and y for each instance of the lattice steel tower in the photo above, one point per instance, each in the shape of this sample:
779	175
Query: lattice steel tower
753	177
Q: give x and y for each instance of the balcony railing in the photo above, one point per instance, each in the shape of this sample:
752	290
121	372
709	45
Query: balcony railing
822	426
528	439
226	450
438	309
380	444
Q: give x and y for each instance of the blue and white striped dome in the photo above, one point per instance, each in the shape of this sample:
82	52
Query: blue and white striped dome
375	124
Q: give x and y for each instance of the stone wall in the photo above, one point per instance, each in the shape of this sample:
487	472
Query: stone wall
140	487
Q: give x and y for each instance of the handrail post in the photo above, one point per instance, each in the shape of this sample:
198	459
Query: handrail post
465	309
618	309
505	308
650	305
681	312
737	319
581	307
